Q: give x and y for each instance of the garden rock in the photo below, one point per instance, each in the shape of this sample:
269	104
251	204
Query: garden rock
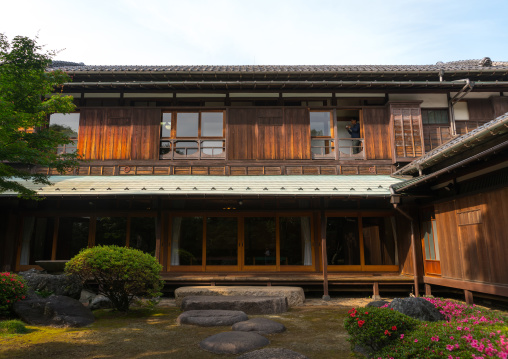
249	305
57	284
56	310
233	342
100	302
417	308
260	326
273	353
211	318
377	303
86	297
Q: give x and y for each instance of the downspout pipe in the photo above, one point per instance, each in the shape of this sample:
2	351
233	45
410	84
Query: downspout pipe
468	87
413	246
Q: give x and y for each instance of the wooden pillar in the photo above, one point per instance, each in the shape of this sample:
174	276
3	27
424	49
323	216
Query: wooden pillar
415	267
324	256
428	291
375	291
158	233
469	296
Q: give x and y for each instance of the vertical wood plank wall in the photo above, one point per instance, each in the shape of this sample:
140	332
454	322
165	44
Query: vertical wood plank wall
475	251
130	134
268	134
377	133
407	135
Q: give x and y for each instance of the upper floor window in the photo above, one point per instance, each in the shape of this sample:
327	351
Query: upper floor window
322	134
435	116
196	135
69	125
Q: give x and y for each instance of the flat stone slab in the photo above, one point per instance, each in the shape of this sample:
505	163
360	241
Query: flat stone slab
260	326
211	318
272	353
233	342
294	295
249	305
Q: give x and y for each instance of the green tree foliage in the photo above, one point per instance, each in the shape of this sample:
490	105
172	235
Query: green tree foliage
25	138
121	273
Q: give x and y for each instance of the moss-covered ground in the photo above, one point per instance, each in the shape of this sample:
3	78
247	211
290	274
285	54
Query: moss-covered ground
317	332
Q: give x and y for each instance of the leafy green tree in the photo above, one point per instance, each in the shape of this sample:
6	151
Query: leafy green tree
26	140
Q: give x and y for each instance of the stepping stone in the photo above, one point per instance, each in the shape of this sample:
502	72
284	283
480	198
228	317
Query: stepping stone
272	353
260	326
233	342
249	305
211	318
294	295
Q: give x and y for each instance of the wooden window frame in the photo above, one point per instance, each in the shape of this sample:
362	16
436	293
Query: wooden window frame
331	138
199	139
62	149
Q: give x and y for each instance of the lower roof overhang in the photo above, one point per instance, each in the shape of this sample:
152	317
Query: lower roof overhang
366	186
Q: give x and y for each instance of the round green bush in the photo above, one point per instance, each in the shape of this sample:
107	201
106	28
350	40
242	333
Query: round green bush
12	290
121	273
373	328
13	327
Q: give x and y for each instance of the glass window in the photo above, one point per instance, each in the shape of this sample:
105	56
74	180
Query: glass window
187	241
295	241
212	124
260	241
430	237
378	241
435	117
111	231
212	148
166	125
187	124
67	124
321	124
221	241
186	148
342	241
72	236
37	240
142	234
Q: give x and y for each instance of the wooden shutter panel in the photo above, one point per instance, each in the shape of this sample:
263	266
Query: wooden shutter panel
407	133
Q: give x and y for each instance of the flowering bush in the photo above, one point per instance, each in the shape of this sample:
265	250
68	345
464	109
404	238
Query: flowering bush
468	332
12	290
373	328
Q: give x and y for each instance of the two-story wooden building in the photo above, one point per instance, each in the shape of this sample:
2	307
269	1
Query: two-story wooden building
242	174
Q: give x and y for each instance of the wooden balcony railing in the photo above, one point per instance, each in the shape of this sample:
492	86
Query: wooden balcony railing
351	148
172	149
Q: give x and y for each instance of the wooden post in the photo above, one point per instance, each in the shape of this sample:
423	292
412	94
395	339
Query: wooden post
469	297
375	291
428	291
326	296
415	267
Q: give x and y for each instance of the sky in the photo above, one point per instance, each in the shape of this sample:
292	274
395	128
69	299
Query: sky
262	32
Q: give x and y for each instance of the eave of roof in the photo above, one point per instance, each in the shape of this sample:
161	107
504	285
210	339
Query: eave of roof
199	186
496	127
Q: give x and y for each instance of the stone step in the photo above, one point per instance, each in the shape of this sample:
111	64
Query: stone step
249	305
294	295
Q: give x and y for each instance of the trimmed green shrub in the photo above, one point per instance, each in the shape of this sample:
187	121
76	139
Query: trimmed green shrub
373	328
121	273
12	290
12	327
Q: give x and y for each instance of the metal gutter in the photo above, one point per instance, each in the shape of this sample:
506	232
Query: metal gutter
298	83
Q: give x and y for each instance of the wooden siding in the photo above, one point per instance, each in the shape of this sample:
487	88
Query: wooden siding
268	134
241	134
376	127
471	250
435	135
500	105
119	134
480	110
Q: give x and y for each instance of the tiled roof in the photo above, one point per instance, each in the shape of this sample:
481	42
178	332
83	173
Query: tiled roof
497	126
354	186
466	65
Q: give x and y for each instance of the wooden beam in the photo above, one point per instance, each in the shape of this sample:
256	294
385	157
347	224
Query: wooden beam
501	290
428	291
324	256
375	291
469	297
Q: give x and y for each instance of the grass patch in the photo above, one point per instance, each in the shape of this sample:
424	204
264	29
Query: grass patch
316	332
12	327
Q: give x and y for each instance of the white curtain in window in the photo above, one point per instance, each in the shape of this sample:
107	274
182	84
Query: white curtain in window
28	229
307	243
175	241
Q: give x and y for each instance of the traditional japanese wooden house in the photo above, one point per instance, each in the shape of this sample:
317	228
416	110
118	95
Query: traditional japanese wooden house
249	174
